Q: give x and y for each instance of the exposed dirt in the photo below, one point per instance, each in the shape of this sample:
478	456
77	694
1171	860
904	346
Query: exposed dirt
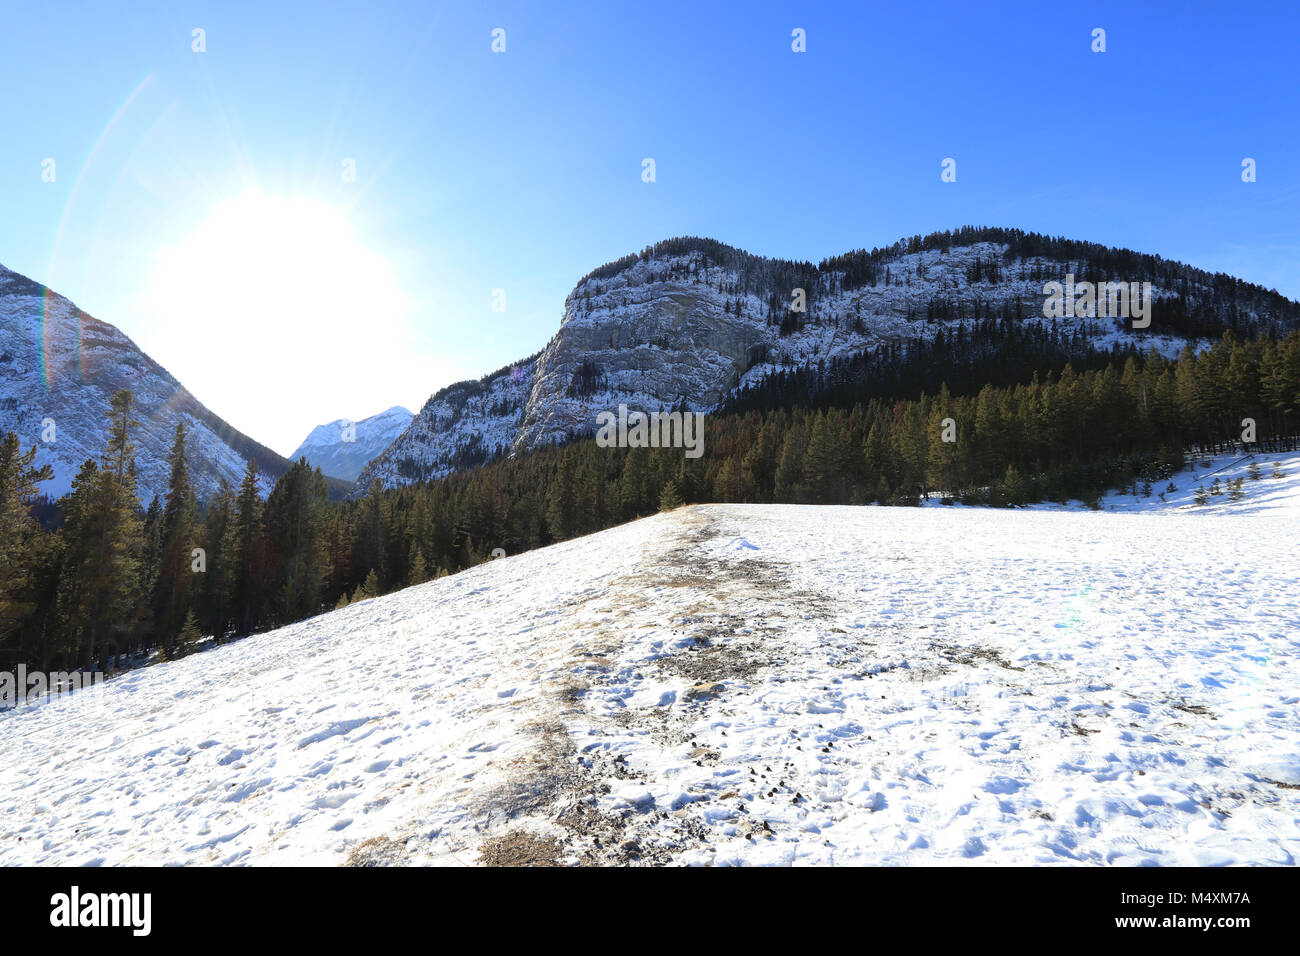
520	848
562	787
377	851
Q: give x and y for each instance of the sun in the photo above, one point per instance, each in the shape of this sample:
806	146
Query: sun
275	267
278	296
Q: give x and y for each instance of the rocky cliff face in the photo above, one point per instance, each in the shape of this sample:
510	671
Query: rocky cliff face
58	368
689	322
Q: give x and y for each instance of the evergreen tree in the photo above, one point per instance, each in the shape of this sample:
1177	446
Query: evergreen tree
175	587
560	518
366	589
103	541
246	553
670	498
213	593
188	636
789	470
419	569
294	521
20	535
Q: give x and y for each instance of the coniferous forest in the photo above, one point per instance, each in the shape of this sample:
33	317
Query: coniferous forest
99	578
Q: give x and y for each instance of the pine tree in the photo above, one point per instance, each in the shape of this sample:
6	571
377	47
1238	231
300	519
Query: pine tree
1013	490
671	497
789	469
294	521
419	569
150	560
245	551
631	492
826	466
372	539
188	636
20	535
560	517
213	595
883	494
366	589
103	540
760	461
174	588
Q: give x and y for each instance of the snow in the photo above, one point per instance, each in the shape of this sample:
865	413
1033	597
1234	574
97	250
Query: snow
728	684
58	369
342	448
1265	495
661	340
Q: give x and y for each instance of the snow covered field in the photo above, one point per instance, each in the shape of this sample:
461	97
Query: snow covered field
728	684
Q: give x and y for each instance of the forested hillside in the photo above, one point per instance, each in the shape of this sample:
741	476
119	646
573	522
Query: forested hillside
119	578
693	322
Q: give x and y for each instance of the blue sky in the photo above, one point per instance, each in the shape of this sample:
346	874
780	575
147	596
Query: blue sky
521	171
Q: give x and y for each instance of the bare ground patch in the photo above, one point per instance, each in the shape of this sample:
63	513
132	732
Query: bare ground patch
536	780
557	784
377	851
520	848
969	655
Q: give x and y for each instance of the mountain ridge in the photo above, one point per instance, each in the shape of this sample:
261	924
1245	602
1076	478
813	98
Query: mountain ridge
695	321
59	365
343	447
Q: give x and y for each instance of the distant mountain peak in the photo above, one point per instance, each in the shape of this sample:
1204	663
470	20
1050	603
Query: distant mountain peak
343	447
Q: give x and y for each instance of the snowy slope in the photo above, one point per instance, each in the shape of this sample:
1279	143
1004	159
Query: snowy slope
676	330
59	365
342	448
1275	492
726	684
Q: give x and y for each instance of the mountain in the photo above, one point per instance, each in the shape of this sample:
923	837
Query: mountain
58	368
724	684
342	448
696	323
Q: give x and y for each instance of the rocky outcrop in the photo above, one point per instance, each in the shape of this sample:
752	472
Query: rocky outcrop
687	323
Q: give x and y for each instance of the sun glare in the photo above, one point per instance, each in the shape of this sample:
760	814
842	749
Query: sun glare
279	292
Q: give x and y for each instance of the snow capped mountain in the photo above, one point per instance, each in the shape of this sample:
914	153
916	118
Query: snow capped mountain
58	367
343	447
724	685
692	322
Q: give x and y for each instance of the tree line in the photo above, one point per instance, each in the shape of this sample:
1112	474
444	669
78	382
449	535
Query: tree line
110	577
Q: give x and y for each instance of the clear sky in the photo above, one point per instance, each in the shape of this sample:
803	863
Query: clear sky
199	200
